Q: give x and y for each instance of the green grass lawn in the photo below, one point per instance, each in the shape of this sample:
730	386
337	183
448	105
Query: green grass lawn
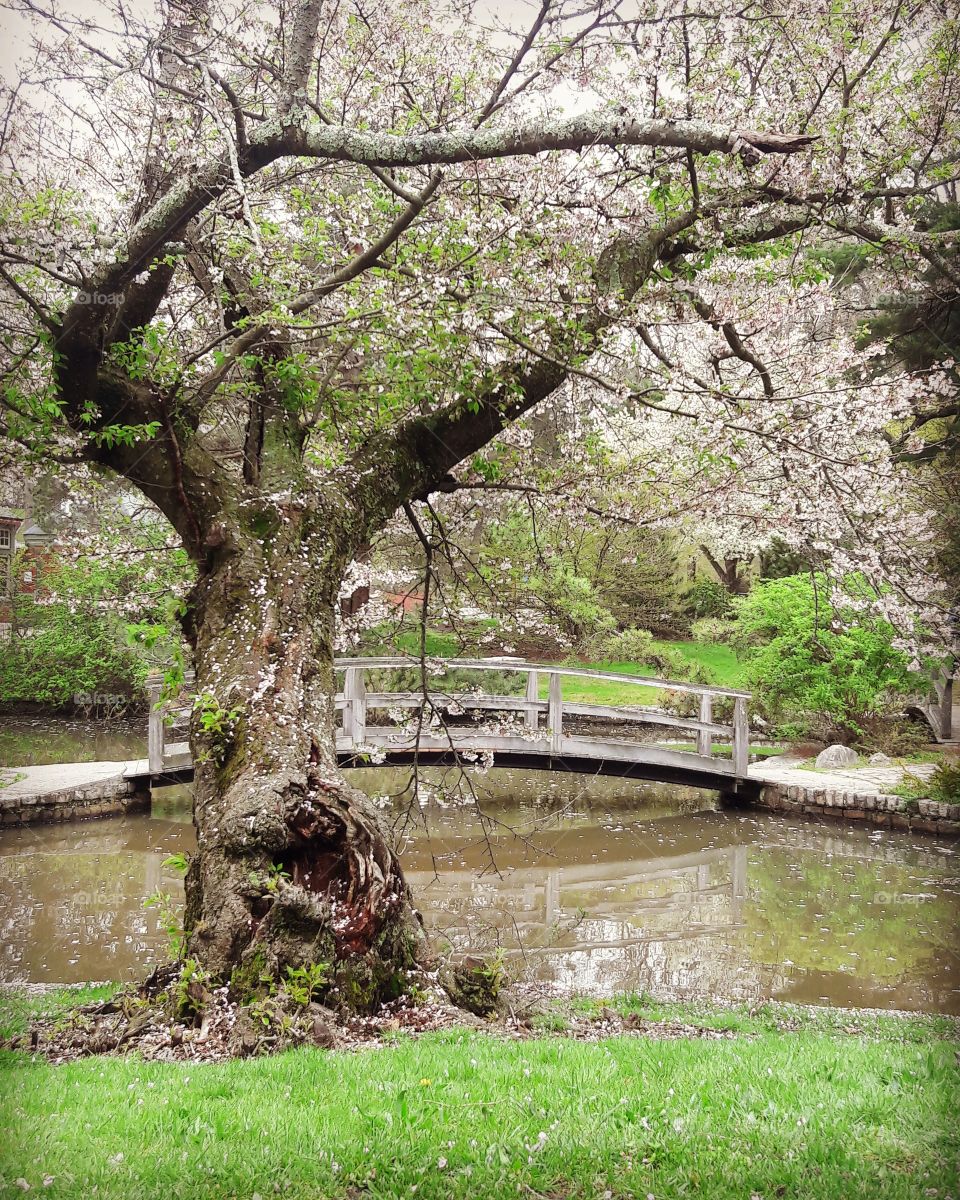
718	660
720	664
814	1113
467	1115
438	644
606	691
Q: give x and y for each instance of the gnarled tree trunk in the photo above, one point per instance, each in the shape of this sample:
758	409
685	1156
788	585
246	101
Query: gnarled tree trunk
293	865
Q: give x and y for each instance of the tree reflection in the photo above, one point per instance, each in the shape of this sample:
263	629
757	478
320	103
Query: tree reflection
880	919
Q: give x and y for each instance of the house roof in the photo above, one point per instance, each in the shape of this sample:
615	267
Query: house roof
11	514
33	535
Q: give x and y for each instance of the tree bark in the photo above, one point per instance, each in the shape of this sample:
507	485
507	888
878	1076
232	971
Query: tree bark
728	572
293	865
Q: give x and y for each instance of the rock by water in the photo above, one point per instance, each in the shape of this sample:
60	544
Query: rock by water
836	756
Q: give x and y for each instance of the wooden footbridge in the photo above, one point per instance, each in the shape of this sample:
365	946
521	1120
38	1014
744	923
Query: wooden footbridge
434	725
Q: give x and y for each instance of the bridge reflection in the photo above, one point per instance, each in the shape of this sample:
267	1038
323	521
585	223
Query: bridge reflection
560	910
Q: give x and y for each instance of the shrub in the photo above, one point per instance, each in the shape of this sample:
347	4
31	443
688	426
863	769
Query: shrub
942	786
819	665
456	679
714	629
708	598
63	658
633	645
450	682
687	704
93	628
892	733
945	783
637	646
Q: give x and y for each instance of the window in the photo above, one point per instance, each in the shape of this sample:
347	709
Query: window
4	539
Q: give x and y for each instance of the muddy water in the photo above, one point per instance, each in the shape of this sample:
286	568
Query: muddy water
32	741
591	886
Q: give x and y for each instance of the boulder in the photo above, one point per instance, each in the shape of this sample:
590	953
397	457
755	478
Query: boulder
836	756
880	760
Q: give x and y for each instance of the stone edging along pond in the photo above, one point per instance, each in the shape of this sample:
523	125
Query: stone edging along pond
873	808
118	794
102	798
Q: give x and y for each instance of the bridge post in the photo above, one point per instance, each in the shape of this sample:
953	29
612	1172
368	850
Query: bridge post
532	715
355	713
155	727
555	713
741	738
704	741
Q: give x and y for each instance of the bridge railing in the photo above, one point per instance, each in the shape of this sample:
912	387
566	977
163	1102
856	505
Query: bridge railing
355	701
543	720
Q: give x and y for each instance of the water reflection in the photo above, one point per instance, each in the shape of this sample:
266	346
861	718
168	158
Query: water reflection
591	887
72	898
32	741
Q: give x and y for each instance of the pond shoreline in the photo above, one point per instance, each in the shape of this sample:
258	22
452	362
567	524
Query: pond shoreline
854	808
119	790
789	1011
70	792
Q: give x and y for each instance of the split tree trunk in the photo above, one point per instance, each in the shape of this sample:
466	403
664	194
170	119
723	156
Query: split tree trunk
293	865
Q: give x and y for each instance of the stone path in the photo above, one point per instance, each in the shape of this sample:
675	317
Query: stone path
62	791
866	780
58	777
860	794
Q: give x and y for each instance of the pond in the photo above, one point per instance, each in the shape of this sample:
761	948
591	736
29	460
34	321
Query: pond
590	885
27	741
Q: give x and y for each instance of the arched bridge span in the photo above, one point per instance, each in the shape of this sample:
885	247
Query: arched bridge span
533	725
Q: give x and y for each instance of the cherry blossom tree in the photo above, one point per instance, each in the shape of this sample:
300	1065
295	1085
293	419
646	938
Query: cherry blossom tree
289	267
795	439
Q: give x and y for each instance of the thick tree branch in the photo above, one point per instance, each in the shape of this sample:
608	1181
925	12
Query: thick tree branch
336	143
418	456
300	51
342	144
82	335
